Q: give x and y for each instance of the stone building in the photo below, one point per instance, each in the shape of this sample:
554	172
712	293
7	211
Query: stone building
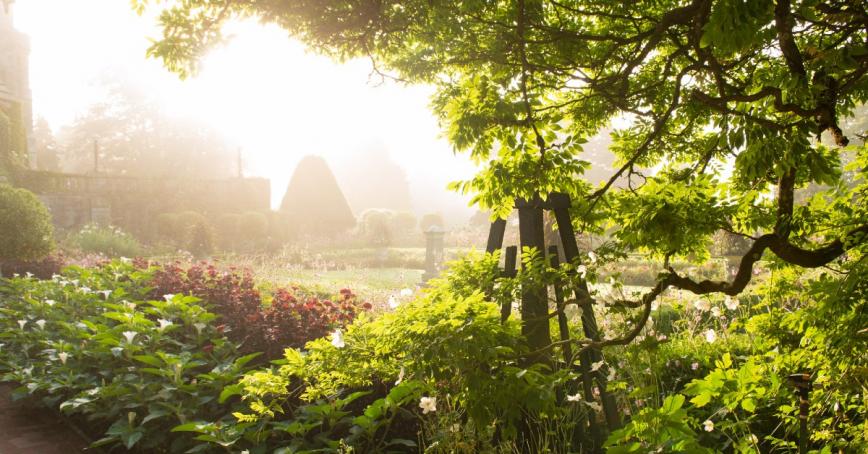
15	98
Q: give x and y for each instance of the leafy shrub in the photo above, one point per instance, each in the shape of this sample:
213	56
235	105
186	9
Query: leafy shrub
41	269
448	347
286	319
664	429
26	232
253	226
201	240
90	343
109	241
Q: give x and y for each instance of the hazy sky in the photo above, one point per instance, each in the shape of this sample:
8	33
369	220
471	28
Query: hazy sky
262	91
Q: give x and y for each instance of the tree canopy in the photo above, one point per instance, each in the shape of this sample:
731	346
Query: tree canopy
720	110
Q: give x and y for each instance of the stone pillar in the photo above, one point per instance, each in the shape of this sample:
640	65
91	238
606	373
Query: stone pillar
433	252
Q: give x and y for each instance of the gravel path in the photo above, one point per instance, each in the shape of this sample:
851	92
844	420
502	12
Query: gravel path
25	429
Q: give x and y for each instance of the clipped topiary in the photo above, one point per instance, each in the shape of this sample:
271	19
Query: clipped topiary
201	243
314	201
26	232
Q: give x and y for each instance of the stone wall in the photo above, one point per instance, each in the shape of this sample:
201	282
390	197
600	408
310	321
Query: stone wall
134	203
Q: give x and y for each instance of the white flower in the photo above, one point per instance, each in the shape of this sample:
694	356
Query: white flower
702	305
715	311
84	289
710	336
130	335
126	260
694	366
199	327
129	305
105	293
40	323
406	292
393	302
597	365
80	325
754	439
592	257
62	356
582	270
168	297
21	323
594	406
50	302
731	303
655	305
117	351
428	404
28	275
164	323
338	338
611	376
708	425
577	397
400	377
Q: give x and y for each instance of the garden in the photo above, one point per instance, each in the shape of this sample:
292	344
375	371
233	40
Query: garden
710	295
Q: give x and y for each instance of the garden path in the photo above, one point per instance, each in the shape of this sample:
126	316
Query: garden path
31	430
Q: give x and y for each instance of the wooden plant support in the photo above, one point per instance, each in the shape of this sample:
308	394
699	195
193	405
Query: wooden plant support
534	303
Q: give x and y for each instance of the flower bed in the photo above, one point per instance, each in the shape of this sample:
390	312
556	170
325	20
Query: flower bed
101	344
263	323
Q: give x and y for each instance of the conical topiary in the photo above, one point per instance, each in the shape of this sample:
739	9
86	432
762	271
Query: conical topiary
313	200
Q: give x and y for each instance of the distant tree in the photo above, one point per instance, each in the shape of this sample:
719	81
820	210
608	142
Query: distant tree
13	138
45	146
430	220
26	232
376	227
134	137
404	222
372	179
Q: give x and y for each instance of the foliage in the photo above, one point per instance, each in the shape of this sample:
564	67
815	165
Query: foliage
201	240
26	232
448	345
134	137
710	130
90	343
285	318
664	429
13	138
44	268
110	241
381	228
431	220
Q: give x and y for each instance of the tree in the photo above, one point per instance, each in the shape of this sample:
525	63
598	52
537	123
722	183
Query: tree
26	232
132	136
45	146
721	105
